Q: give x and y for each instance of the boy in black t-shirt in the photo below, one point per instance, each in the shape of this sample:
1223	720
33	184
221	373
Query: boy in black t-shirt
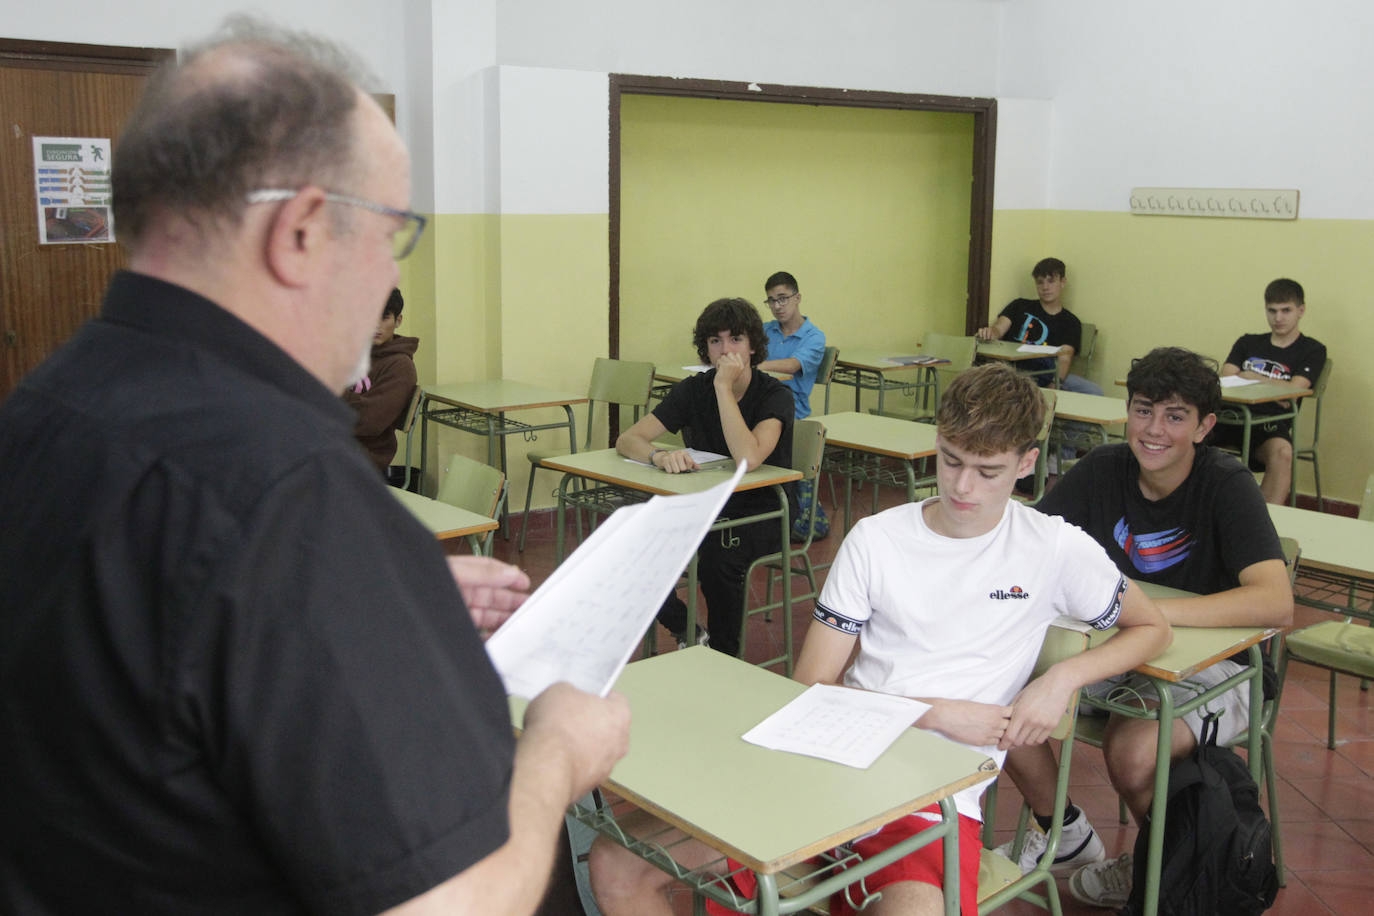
1044	320
1285	355
1170	511
731	410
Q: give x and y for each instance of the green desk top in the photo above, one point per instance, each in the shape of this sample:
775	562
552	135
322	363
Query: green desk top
690	708
1193	648
876	360
678	368
1007	350
443	520
889	436
1329	542
1263	393
1089	408
497	395
608	466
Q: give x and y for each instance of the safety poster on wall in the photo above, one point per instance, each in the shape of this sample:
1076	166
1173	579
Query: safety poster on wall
71	178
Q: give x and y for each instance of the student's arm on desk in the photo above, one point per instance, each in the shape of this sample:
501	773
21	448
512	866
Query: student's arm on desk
1142	633
1065	360
637	442
996	330
748	445
1263	599
825	655
571	741
790	365
1297	381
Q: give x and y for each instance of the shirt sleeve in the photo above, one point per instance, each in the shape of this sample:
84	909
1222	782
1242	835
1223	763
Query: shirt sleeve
356	718
1243	526
380	407
1069	497
844	603
1312	363
1237	356
1090	584
675	410
811	352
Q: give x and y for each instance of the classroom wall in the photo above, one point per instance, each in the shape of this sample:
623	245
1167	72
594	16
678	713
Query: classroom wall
504	105
716	195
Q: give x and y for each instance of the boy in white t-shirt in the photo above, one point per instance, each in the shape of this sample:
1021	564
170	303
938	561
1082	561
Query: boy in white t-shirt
949	600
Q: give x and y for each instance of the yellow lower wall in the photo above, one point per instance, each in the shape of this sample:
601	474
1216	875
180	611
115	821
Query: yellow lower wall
526	296
1149	281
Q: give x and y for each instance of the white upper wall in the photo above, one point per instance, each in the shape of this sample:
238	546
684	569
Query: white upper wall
939	46
1178	93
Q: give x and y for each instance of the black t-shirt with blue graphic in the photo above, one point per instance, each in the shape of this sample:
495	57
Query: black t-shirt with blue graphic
1304	357
1031	324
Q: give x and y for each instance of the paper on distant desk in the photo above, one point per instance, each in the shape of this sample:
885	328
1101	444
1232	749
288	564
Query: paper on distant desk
1038	348
847	726
699	455
583	623
1235	381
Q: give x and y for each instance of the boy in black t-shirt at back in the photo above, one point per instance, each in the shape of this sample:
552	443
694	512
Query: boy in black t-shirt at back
1285	354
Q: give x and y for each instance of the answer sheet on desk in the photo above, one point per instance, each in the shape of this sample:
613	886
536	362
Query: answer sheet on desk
1235	381
840	724
1037	348
583	623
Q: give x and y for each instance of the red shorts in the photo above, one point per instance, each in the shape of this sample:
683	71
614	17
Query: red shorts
926	865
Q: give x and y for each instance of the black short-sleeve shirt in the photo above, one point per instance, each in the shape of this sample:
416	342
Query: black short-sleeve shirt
692	408
237	674
1303	358
1198	538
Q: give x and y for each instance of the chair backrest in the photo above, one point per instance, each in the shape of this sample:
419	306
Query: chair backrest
1318	389
826	372
808	447
1086	346
473	485
1061	643
618	381
1367	503
406	420
958	350
1042	441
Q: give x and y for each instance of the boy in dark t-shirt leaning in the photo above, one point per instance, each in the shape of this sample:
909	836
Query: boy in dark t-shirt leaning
1284	354
731	410
1170	511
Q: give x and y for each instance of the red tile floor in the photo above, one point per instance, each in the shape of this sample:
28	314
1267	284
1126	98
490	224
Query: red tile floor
1326	797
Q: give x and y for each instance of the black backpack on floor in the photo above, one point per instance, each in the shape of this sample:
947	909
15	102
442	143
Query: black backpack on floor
1218	858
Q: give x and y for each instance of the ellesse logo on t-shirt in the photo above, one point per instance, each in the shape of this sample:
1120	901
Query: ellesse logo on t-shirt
1016	591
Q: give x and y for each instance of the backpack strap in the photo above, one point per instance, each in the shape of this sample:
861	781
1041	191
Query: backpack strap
1209	730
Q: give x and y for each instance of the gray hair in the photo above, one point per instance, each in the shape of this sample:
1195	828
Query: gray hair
255	106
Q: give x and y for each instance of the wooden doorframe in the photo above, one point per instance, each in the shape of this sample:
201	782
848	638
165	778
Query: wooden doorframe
66	55
984	111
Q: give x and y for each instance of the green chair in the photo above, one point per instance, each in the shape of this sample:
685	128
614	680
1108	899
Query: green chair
614	383
1087	345
1309	452
808	445
999	878
1042	441
826	373
960	351
474	486
407	427
1341	646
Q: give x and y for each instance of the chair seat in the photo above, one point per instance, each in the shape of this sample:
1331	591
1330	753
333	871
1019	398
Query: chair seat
1346	647
995	871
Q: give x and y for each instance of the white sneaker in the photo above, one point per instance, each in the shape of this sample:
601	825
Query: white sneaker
1078	846
703	638
1106	884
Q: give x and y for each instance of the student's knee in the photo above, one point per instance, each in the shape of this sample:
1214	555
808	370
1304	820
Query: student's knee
1129	748
1276	454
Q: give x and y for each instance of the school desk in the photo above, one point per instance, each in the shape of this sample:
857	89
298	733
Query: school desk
445	521
857	443
769	810
1091	414
1009	351
882	371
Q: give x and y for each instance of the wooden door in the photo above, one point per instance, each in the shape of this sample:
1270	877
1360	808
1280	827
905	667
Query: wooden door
54	90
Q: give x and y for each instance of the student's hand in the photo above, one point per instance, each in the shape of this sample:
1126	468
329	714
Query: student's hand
968	722
678	462
1035	712
492	590
730	367
984	334
591	733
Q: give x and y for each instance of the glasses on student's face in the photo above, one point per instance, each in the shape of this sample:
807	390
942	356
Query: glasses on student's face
778	300
403	240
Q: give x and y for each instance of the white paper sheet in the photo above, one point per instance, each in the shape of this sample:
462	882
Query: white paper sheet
1235	381
1037	348
847	726
583	623
699	455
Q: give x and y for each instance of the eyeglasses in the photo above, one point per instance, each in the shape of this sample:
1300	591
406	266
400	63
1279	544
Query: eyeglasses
402	240
778	300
